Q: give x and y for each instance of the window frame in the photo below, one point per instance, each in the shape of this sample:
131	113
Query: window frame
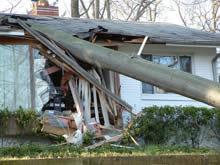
166	96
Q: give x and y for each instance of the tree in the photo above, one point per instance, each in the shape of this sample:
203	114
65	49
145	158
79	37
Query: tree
97	5
108	4
11	5
205	14
153	10
75	8
96	9
134	10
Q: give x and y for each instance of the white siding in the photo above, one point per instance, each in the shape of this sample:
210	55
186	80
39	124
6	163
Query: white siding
131	88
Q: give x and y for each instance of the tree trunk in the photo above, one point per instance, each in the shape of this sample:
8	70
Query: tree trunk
108	9
93	8
75	8
214	13
97	4
176	81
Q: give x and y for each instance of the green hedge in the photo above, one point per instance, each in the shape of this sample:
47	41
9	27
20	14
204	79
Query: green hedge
160	125
24	118
157	125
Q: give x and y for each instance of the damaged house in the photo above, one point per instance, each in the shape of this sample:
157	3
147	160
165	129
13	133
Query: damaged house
78	69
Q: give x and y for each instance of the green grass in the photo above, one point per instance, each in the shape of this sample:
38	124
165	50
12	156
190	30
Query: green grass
69	151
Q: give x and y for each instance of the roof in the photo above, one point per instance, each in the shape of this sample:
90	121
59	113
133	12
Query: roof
157	32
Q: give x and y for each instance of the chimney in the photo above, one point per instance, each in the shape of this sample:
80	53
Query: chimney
42	7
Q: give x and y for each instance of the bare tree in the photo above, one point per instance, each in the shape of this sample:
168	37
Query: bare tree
205	14
97	5
95	9
86	9
108	6
75	8
153	11
134	10
180	9
12	5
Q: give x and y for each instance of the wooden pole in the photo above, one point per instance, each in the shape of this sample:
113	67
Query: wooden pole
32	80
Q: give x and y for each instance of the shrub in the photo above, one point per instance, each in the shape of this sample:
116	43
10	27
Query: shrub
4	116
24	119
158	125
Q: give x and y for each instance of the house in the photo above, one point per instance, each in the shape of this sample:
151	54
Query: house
175	46
189	57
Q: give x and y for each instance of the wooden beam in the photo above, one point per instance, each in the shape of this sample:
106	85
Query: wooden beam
87	102
4	40
55	60
104	110
32	78
95	104
76	98
135	142
105	141
112	86
102	98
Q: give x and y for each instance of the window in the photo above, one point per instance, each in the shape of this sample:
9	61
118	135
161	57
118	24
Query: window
182	63
14	76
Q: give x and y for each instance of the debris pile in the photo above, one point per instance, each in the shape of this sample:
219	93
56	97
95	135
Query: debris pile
81	97
76	106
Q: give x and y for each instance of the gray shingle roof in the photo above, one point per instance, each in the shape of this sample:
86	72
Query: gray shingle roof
158	32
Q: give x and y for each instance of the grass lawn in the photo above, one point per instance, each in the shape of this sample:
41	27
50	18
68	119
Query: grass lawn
70	151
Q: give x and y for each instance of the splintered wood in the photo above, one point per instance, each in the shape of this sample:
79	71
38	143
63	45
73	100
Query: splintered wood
92	103
116	138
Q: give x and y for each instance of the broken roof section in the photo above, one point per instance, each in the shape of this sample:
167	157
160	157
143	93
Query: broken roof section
157	32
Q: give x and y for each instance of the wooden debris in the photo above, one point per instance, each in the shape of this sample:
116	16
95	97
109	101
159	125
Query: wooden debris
112	87
57	130
102	98
95	104
104	141
76	97
120	146
135	142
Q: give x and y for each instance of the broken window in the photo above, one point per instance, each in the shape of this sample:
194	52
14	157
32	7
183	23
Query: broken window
182	63
42	81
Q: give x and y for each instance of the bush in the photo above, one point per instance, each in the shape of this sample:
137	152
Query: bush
215	126
158	125
24	119
4	116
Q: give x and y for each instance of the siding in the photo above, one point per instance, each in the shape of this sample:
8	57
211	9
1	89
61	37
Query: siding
131	88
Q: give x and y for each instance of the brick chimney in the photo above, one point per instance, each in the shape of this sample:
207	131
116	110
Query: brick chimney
42	7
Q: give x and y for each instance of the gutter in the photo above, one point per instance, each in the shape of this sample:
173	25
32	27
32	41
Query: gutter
214	69
187	42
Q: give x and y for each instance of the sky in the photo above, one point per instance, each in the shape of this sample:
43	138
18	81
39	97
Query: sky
169	15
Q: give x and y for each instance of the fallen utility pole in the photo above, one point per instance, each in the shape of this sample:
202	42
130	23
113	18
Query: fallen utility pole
176	81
